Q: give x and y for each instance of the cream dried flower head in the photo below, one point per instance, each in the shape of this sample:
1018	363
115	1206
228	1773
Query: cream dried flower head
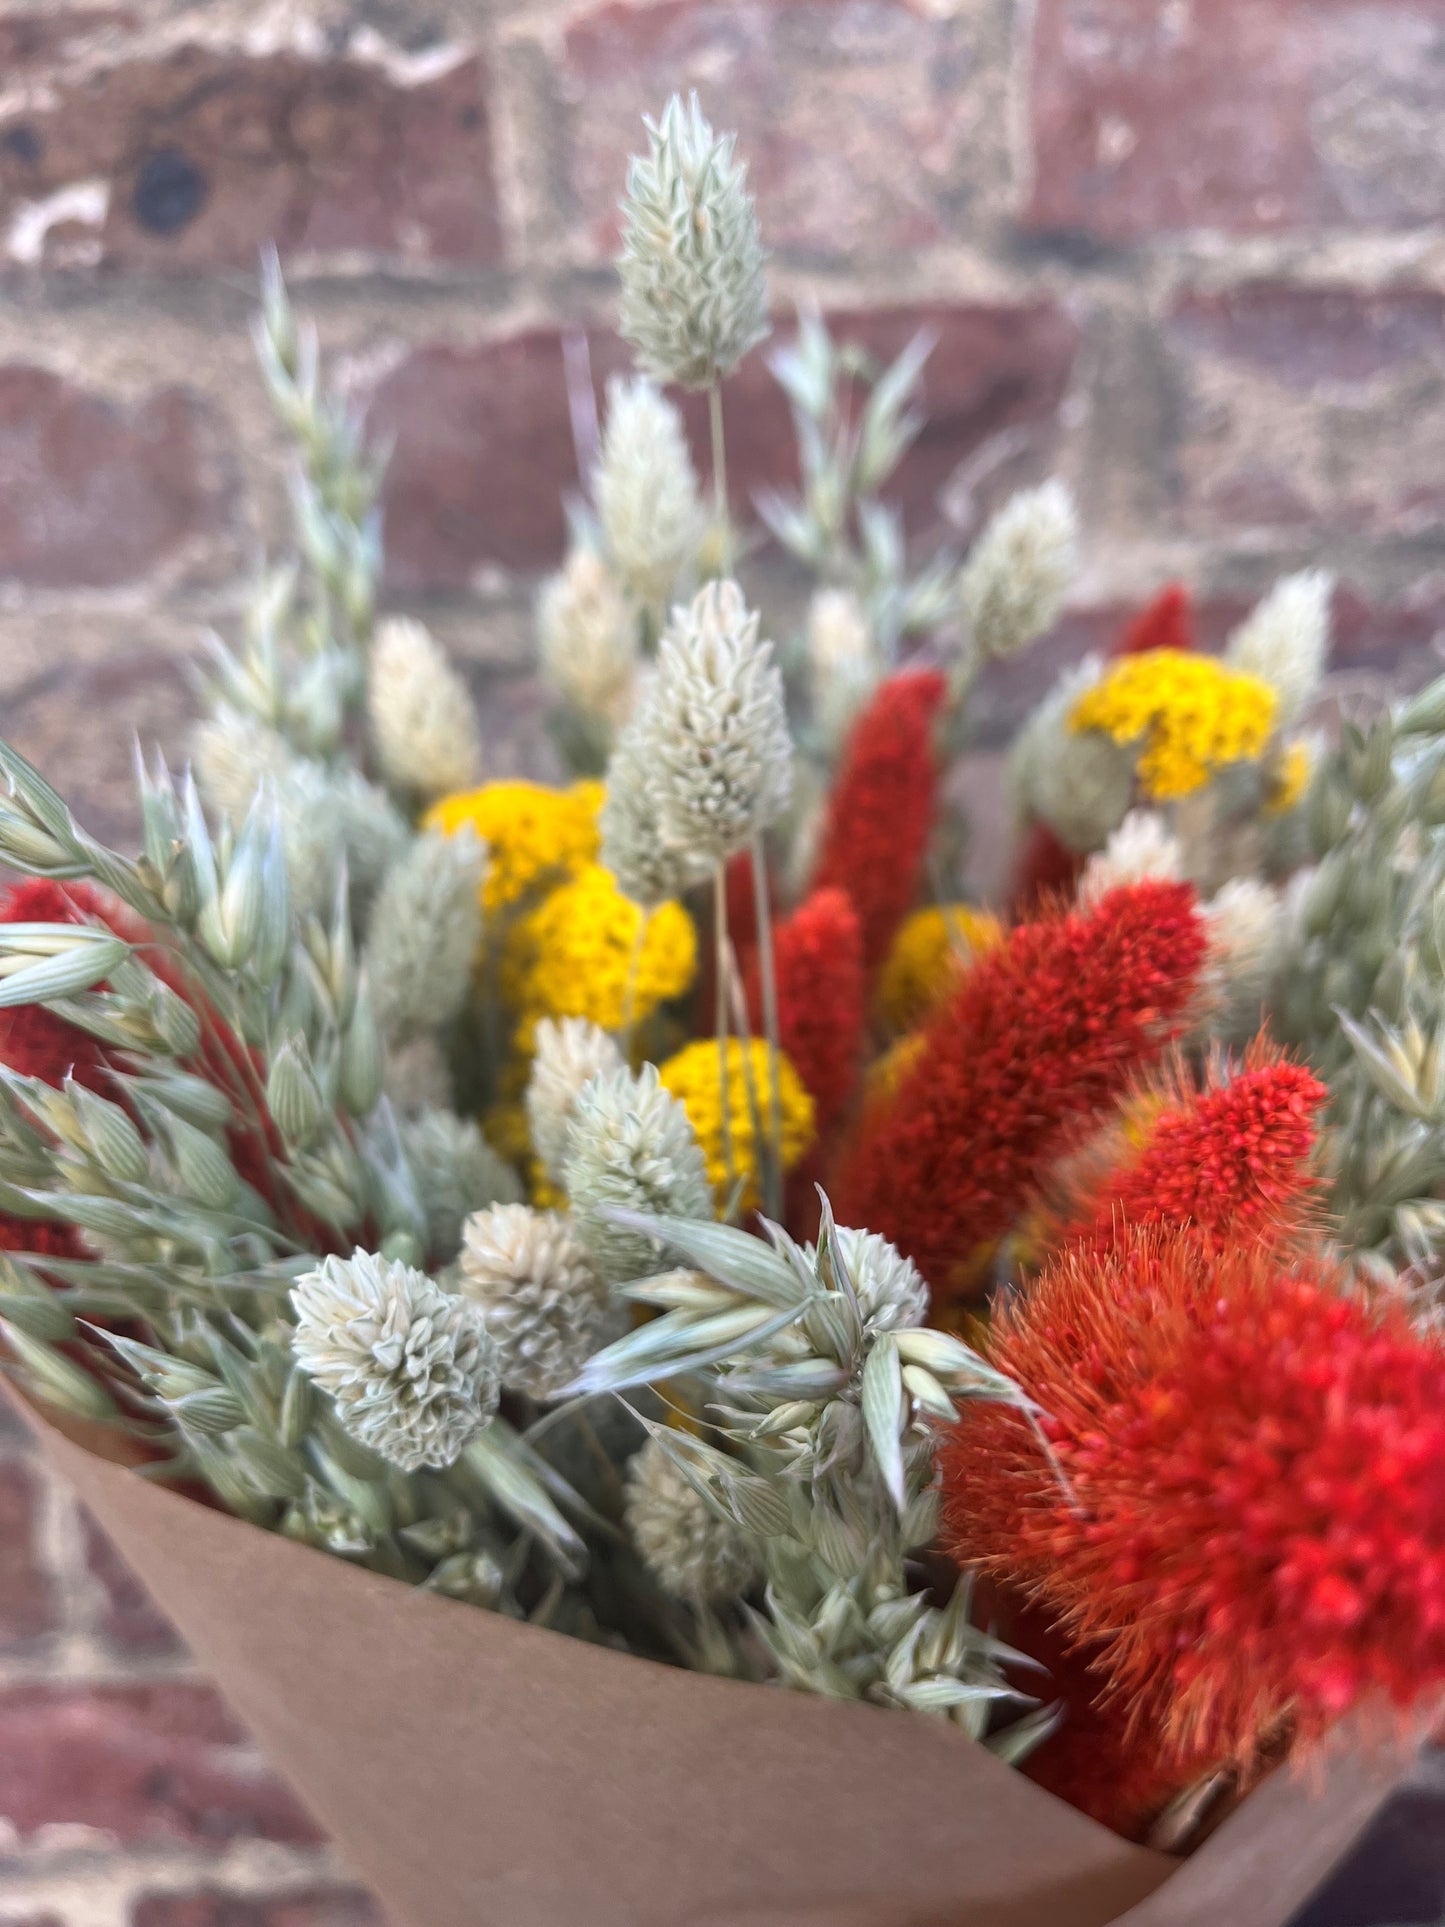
544	1304
630	1145
648	869
424	932
232	754
646	491
843	664
1015	580
694	294
1286	638
456	1173
1143	846
587	638
712	732
1245	926
421	715
691	1551
409	1366
891	1293
569	1053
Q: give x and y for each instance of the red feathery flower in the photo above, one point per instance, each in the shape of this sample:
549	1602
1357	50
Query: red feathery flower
881	812
1043	1033
1165	623
1243	1522
821	999
33	1040
1047	870
1231	1158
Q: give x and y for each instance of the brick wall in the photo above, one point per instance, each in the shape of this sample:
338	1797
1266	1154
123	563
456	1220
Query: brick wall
1188	253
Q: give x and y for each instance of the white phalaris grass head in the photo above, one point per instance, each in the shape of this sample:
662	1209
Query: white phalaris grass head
415	1076
648	869
891	1293
420	710
690	1550
1077	782
842	661
1143	846
456	1173
1245	925
694	294
570	1052
712	730
646	491
587	638
544	1304
232	754
409	1366
424	931
1285	640
1015	580
630	1145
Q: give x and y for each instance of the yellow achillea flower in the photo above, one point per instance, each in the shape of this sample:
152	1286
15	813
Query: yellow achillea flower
927	957
573	955
534	835
693	1078
1290	779
1191	714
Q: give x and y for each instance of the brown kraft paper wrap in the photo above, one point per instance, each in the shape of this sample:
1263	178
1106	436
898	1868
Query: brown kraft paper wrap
481	1773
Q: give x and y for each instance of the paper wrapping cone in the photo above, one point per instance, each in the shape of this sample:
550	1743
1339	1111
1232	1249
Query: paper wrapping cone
481	1773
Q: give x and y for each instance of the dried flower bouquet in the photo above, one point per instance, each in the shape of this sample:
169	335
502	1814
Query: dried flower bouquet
666	1209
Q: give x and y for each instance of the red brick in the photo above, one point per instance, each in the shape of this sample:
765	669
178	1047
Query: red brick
1310	408
145	1763
1249	116
96	491
125	1616
27	1601
867	125
483	445
210	1907
208	153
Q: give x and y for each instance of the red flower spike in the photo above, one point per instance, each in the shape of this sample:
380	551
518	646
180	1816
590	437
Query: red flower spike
1242	1524
881	812
1232	1158
1165	623
821	999
1047	869
1045	1031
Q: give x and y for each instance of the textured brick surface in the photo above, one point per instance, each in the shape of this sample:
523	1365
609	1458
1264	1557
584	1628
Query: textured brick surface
1188	253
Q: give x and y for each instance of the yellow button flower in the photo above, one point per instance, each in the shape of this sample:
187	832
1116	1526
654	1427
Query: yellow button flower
1191	715
534	835
577	955
1290	779
929	953
693	1077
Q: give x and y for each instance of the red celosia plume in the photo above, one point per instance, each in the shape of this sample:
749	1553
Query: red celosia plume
881	811
1046	870
821	1000
33	1040
1165	623
1231	1157
1243	1520
1043	1033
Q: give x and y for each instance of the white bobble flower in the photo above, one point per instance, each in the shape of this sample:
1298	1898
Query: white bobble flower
1244	924
631	1145
646	491
647	868
409	1366
690	1550
424	931
1286	638
713	729
1015	580
570	1052
587	639
545	1306
232	754
694	295
1142	847
420	710
891	1293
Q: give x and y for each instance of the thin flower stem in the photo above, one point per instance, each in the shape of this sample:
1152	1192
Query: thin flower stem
769	973
740	1021
720	940
720	474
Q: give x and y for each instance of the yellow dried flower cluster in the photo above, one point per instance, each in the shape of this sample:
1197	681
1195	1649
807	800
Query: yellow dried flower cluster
577	955
693	1077
1290	779
534	835
931	950
1191	714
